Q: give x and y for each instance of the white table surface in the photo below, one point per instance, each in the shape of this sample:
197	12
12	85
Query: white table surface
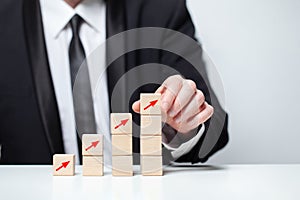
267	182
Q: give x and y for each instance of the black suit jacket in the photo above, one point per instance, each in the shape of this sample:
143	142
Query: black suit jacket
30	130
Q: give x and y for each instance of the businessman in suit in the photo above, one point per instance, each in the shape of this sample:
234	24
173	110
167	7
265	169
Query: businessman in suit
41	42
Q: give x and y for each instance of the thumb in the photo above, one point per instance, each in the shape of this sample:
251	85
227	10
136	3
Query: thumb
160	89
136	106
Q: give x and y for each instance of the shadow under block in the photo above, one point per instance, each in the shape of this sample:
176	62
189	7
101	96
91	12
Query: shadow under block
92	166
121	145
120	123
63	165
151	145
122	166
151	165
150	104
92	144
150	125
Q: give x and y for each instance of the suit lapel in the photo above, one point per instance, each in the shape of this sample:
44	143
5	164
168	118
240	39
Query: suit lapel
44	88
116	23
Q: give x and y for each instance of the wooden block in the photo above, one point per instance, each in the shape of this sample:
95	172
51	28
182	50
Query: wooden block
92	171
150	104
122	166
92	166
121	145
63	165
151	145
151	165
150	125
92	145
121	123
92	160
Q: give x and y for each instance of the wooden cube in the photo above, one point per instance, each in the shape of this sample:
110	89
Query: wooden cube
150	104
92	160
150	125
92	145
121	145
122	166
151	165
92	166
151	145
121	123
63	165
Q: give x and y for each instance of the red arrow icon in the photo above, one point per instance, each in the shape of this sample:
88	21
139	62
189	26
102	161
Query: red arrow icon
123	123
151	103
94	144
63	165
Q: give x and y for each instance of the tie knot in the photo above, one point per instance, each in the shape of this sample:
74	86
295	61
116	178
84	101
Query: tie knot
75	22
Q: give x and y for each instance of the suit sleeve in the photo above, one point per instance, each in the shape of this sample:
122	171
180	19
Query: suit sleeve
181	21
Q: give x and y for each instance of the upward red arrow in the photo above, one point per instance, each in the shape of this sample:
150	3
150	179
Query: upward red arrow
151	103
93	144
123	123
63	165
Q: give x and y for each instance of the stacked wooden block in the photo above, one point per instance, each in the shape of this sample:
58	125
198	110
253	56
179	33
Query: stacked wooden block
151	151
121	130
92	155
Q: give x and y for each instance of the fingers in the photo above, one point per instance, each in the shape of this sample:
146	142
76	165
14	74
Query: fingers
202	116
192	108
183	97
183	106
172	87
136	106
160	89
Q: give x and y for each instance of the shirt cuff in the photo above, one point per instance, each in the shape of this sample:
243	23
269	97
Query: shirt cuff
184	147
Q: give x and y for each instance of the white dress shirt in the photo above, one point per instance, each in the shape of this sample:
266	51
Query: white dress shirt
56	15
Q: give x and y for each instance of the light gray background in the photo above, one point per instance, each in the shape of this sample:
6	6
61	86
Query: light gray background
255	45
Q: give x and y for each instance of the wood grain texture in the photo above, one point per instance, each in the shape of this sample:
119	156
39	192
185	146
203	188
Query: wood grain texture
116	126
151	145
151	125
92	160
92	166
122	166
151	165
145	99
87	140
121	145
92	171
58	159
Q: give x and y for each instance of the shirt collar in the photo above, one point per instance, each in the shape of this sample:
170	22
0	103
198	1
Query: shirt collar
58	13
92	12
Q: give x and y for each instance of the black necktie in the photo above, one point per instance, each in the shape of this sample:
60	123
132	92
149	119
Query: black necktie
82	94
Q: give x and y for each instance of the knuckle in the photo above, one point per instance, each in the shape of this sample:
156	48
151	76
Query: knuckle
191	84
177	76
173	80
179	80
180	83
199	96
168	81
